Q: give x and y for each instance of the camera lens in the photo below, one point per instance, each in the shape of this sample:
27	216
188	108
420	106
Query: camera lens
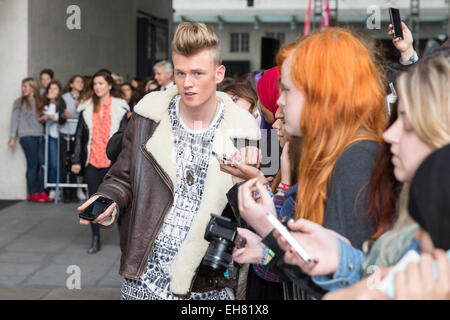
218	254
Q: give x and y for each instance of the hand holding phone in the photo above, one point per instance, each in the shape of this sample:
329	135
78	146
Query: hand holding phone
396	22
97	207
289	238
387	285
224	160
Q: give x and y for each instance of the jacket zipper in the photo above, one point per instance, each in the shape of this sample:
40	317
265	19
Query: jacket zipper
120	190
166	180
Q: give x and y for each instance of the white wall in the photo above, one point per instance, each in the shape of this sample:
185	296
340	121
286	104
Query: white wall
14	68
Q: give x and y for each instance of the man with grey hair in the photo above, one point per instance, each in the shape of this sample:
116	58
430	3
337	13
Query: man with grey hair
163	74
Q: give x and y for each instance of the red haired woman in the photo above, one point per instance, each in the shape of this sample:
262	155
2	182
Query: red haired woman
332	96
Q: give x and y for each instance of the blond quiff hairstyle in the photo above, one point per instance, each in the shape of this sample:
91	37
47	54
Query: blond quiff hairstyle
193	37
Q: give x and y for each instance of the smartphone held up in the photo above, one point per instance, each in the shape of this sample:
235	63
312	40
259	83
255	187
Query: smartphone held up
396	22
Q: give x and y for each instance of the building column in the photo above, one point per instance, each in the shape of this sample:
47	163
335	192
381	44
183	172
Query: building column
14	66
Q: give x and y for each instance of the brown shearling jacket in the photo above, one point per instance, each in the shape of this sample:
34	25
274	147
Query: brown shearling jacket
142	183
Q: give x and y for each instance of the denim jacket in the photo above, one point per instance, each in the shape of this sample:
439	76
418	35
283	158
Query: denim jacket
350	268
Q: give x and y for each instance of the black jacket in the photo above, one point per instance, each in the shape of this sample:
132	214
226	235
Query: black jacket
118	109
62	106
115	142
81	140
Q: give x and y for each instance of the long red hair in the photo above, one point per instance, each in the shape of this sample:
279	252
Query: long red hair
344	103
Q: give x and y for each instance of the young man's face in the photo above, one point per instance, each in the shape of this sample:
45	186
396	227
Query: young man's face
196	77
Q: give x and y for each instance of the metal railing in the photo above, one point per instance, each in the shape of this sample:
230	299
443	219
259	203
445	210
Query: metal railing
57	185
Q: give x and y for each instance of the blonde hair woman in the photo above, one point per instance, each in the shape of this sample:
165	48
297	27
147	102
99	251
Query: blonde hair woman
422	126
25	125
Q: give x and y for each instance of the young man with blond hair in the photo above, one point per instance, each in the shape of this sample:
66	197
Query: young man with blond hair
166	183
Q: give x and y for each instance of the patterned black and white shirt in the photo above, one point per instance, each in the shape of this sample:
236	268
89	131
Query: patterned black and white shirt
193	150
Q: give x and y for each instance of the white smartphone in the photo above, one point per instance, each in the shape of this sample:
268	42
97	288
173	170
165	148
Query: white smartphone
387	285
394	92
289	238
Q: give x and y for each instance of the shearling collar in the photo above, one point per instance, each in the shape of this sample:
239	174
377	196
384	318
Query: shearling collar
236	124
155	104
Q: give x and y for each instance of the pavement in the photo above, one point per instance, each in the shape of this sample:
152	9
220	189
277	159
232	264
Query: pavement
43	255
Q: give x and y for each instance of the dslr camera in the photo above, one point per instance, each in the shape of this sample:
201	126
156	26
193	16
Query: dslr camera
222	235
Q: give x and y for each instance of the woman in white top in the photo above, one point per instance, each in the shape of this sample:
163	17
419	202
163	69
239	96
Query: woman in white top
53	103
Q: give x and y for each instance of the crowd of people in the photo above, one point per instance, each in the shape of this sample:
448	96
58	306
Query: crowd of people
46	108
363	176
